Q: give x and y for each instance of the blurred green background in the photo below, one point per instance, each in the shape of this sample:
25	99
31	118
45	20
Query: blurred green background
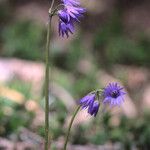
112	43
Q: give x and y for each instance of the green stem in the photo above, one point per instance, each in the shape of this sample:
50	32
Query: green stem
47	88
52	4
47	139
70	125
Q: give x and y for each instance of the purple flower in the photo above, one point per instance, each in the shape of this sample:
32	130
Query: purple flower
71	2
64	16
65	28
68	15
71	10
113	94
75	12
93	109
89	102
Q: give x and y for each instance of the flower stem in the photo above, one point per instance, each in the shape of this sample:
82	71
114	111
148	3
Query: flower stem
70	125
47	137
47	87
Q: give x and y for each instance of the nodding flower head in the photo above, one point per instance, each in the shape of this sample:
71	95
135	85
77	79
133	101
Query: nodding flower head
93	109
89	102
65	28
75	12
68	15
113	94
64	16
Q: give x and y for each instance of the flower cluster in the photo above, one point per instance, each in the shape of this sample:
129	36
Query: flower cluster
112	94
70	13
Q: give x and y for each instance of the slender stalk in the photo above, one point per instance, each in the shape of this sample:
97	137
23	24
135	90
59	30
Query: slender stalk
47	138
70	125
52	4
47	87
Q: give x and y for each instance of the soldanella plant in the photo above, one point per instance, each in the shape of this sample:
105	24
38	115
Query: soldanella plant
69	12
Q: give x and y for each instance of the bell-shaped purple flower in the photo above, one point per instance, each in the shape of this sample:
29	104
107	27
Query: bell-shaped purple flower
93	109
75	12
70	13
65	28
113	94
89	102
64	16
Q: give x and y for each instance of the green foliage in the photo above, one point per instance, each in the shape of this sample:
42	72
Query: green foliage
12	117
129	132
74	54
69	59
57	120
22	87
24	40
113	46
112	28
84	84
125	51
65	80
79	136
99	138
